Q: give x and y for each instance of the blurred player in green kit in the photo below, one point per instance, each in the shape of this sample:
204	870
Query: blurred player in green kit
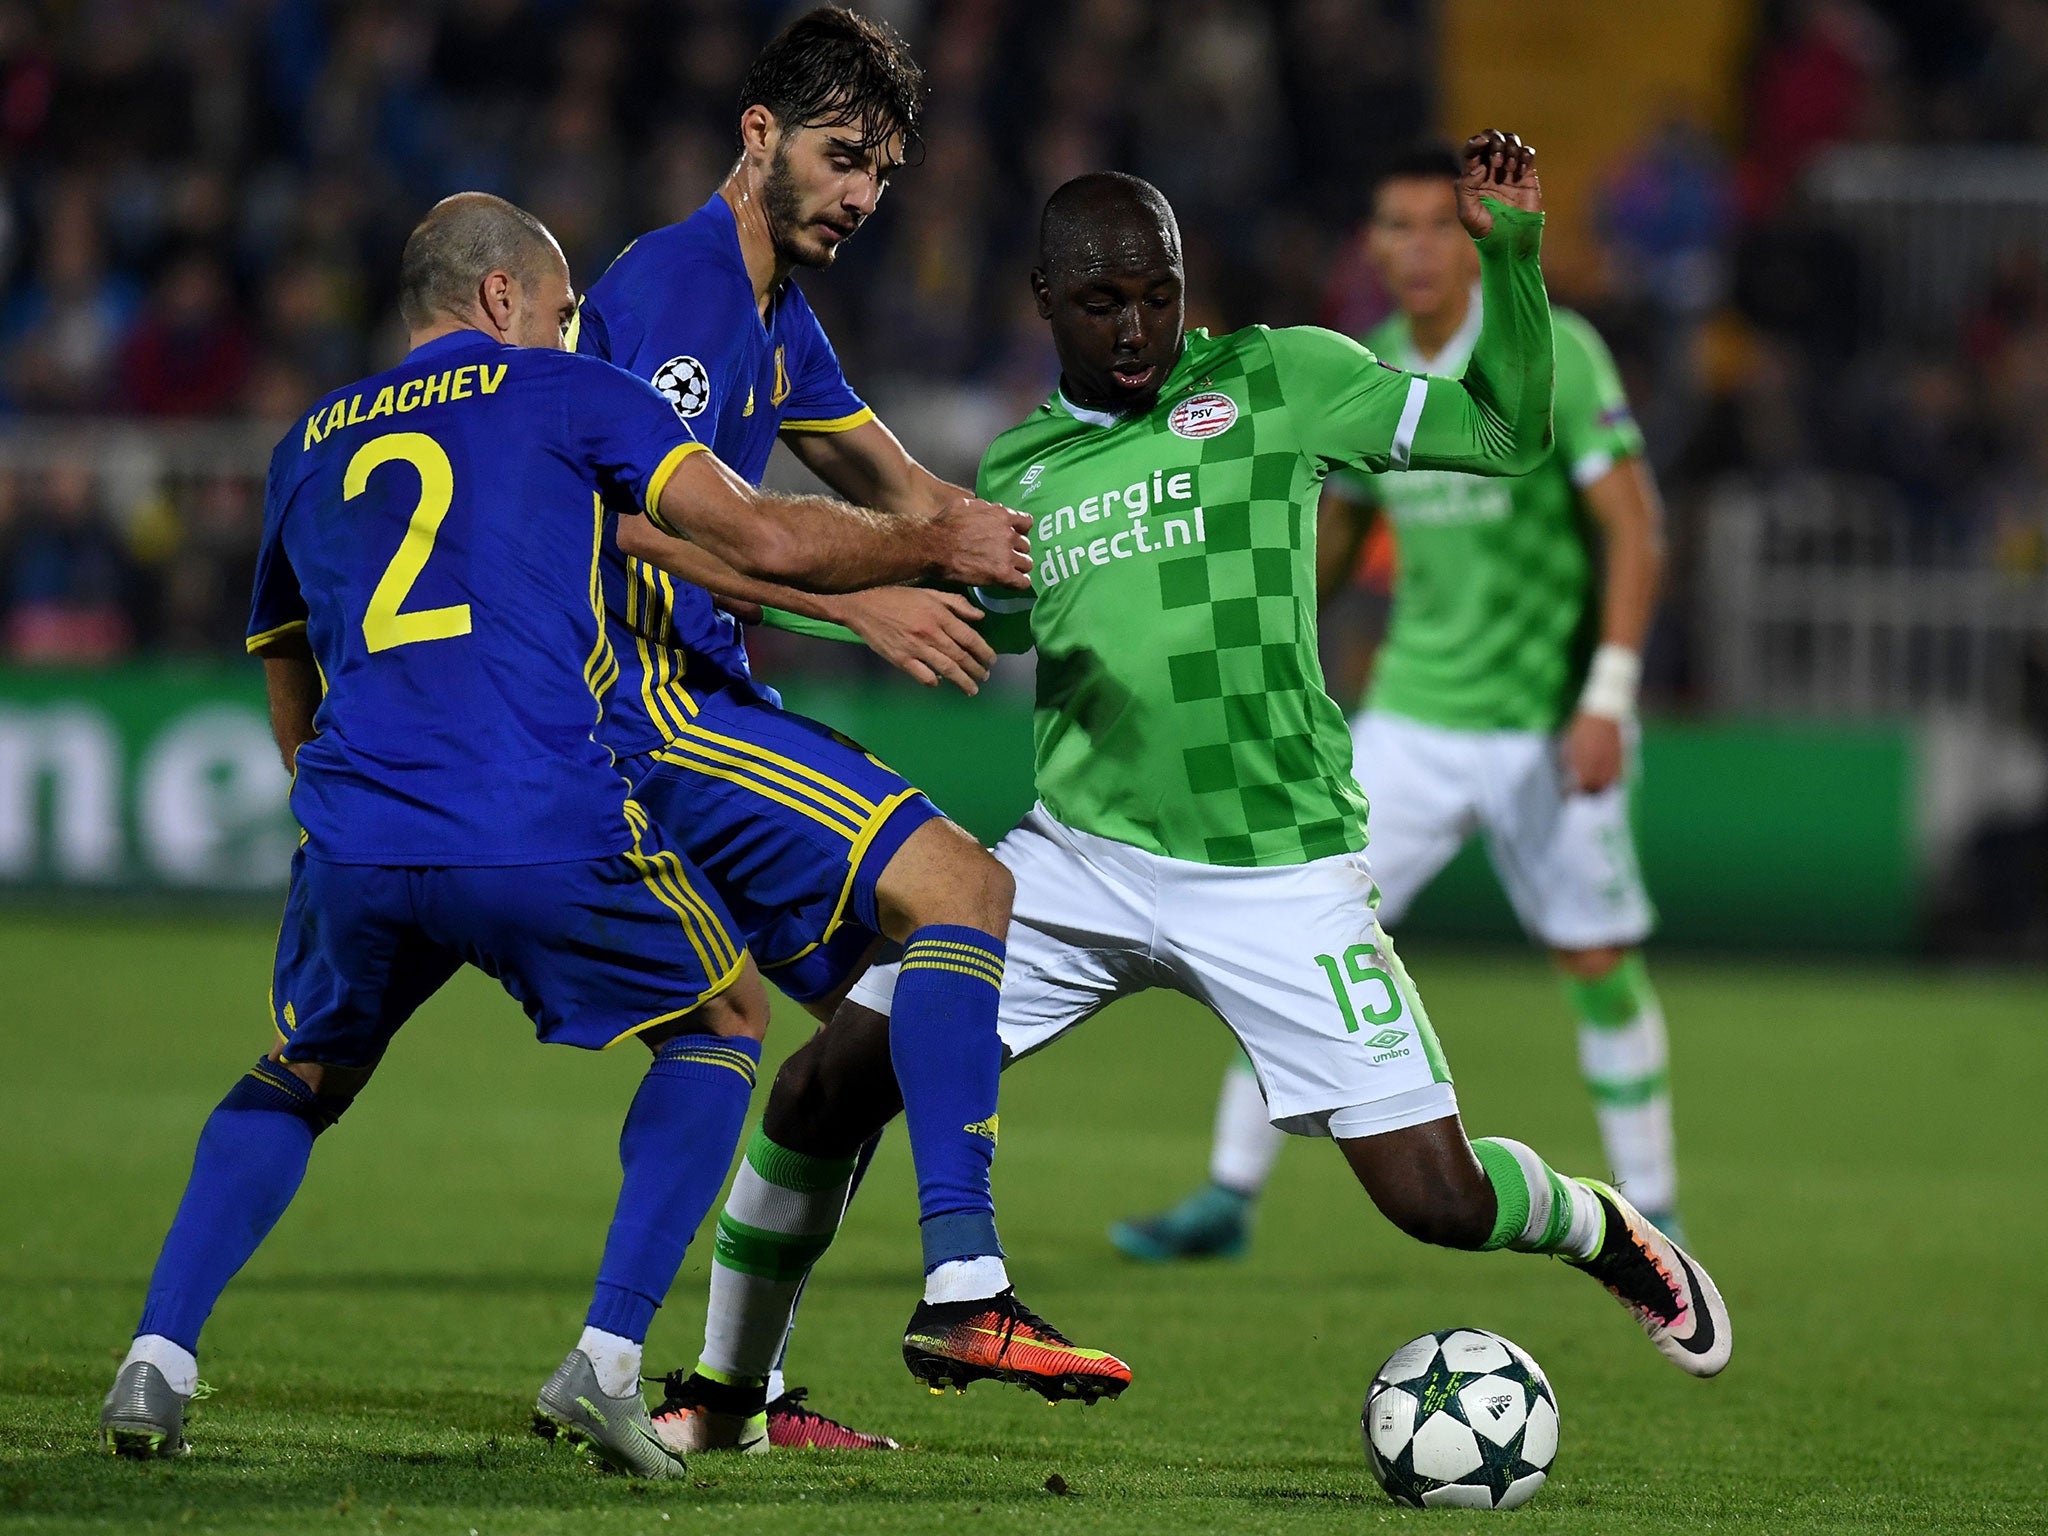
1502	701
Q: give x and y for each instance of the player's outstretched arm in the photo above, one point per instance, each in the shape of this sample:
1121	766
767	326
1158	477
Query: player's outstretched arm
927	633
1497	421
819	545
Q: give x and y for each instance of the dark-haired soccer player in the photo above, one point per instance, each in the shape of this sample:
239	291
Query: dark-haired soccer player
816	847
1503	700
1198	825
428	613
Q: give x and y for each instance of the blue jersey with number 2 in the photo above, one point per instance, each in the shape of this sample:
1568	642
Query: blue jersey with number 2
435	531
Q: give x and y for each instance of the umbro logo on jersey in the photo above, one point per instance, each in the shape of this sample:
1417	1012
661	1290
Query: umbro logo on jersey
1204	415
1031	477
685	384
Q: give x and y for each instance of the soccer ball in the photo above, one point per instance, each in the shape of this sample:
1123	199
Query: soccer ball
1462	1417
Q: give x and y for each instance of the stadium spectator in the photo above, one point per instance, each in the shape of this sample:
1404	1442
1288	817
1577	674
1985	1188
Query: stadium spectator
70	592
189	353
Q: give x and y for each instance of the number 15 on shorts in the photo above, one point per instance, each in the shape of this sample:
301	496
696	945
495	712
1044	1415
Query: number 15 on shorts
1365	993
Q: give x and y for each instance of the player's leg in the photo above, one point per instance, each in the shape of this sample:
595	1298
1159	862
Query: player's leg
834	1093
809	839
1496	1193
947	902
1345	1048
1421	783
600	953
809	836
1625	1058
1567	861
349	970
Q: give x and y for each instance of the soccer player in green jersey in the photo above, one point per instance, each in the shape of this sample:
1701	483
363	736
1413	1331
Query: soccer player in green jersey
1199	827
1503	701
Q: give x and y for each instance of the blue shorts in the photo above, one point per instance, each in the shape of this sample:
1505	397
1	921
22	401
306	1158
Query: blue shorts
595	951
791	822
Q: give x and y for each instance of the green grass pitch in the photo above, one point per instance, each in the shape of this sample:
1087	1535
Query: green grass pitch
1862	1148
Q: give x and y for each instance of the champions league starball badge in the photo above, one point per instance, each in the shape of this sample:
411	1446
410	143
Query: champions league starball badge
685	384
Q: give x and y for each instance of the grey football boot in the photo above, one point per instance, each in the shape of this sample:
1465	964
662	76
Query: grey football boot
142	1416
575	1409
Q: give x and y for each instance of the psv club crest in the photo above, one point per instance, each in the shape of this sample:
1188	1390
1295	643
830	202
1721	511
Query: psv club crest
1203	415
685	384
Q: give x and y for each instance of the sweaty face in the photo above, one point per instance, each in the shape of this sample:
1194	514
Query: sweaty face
1117	310
542	307
1421	250
820	188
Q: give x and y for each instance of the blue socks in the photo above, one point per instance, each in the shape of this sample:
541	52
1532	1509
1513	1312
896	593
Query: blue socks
251	1159
948	1058
676	1147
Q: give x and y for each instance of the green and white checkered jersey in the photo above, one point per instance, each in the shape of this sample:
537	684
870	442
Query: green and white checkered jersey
1496	611
1181	706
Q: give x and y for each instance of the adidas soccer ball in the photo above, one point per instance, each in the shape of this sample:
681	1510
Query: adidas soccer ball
1462	1417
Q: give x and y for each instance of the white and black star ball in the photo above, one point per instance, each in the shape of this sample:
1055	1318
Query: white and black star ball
685	384
1462	1417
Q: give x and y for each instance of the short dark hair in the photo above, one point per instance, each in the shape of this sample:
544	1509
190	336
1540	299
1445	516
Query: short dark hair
1078	211
462	239
1423	160
832	67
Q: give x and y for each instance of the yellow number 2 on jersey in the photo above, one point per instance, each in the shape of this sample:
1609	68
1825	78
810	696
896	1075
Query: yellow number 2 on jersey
383	625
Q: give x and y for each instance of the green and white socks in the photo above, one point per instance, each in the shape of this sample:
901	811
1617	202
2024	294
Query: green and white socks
1625	1059
1538	1210
779	1219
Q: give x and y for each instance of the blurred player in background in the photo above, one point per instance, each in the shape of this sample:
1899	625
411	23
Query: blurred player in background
816	847
1503	700
1198	825
427	611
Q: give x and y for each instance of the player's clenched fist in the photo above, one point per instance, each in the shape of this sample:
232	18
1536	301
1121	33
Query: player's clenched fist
1496	165
979	543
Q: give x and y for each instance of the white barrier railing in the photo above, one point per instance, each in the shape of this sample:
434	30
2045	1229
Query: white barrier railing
1822	599
1931	225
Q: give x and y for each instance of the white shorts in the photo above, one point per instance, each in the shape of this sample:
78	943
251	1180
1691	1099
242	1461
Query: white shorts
1566	860
1292	959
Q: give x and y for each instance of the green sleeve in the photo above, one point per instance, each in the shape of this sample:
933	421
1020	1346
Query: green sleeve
1595	430
1496	419
1354	412
1007	625
799	624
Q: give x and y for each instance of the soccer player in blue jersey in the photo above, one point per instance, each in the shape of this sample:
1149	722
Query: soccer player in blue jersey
817	848
429	613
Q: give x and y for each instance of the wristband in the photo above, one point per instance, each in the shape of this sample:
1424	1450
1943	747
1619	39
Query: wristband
1612	683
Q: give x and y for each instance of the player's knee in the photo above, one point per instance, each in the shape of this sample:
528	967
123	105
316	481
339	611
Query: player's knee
314	1092
942	875
740	1010
1588	964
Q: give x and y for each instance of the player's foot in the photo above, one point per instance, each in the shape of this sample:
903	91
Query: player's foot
1212	1223
142	1417
699	1414
1662	1285
792	1426
1669	1223
575	1409
956	1343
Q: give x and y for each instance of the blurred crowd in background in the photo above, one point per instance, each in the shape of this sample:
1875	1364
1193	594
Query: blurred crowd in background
201	203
